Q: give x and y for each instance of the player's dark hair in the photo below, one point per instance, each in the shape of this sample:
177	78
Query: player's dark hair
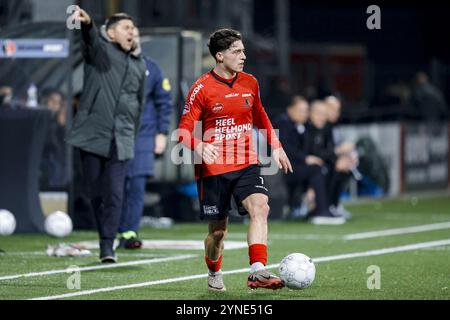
222	39
111	21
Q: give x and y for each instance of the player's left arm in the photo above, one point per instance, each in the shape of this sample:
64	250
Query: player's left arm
262	121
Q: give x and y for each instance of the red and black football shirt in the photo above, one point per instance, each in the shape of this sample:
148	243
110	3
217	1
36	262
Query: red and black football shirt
228	109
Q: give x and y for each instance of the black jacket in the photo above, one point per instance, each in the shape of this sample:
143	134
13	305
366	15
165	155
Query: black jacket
112	99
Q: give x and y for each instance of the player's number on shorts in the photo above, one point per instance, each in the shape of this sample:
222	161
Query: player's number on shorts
262	180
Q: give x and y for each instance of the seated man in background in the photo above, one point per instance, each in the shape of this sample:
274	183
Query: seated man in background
319	143
346	162
307	167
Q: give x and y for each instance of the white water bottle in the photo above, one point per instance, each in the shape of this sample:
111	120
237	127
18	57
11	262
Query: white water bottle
32	101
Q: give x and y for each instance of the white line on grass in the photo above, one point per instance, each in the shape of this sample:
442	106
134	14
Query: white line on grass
198	276
436	217
108	266
391	232
136	255
289	236
353	236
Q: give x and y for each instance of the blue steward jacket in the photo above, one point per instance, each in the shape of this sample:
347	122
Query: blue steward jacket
155	119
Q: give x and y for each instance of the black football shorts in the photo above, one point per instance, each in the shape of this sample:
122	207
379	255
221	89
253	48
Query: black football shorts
215	192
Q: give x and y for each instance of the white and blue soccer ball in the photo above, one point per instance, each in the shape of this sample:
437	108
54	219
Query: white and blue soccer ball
297	271
58	224
7	222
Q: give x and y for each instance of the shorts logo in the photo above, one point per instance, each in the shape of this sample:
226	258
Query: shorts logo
217	107
210	210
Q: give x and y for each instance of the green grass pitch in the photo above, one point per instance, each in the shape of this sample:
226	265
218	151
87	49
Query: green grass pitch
413	274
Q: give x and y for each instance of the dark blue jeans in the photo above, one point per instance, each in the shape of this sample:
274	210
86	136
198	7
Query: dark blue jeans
105	179
133	203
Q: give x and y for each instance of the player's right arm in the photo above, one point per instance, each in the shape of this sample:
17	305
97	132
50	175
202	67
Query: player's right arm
192	114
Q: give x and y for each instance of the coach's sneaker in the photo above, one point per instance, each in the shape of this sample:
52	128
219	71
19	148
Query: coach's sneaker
215	281
264	279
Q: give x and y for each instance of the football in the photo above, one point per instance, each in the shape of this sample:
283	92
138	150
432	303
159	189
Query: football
58	224
7	223
297	271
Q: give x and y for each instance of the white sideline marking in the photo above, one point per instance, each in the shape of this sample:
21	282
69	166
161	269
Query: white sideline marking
391	232
41	253
288	236
170	244
353	236
108	266
198	276
437	217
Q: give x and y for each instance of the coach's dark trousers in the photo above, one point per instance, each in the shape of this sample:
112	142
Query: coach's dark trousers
105	178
